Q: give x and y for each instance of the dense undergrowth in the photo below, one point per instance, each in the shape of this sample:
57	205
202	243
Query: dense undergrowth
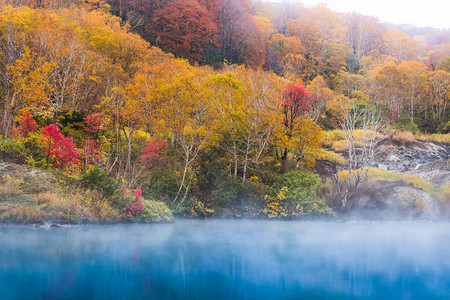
135	134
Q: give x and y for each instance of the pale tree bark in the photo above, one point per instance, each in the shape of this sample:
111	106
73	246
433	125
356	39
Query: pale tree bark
360	154
189	146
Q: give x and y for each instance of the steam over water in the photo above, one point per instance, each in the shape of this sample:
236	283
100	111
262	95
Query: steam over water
227	260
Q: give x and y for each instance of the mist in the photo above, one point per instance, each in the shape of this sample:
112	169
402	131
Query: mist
227	259
433	13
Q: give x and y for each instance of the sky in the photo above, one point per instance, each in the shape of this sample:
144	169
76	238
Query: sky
434	13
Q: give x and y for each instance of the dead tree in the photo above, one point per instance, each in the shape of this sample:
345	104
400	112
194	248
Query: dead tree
361	152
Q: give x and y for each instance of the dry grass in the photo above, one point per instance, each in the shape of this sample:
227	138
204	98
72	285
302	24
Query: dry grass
62	209
334	139
323	154
404	137
81	206
441	193
437	137
445	191
338	146
384	148
21	214
10	186
419	205
379	174
359	134
100	207
331	136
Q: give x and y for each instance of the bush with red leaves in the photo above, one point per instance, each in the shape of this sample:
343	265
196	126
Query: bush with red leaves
59	149
136	207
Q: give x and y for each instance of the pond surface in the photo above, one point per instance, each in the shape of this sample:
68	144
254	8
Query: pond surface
227	260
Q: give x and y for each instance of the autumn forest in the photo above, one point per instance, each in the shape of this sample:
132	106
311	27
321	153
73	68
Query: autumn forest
199	108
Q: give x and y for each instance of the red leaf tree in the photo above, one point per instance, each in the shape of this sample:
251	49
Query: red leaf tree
295	103
152	151
27	125
59	149
94	123
184	28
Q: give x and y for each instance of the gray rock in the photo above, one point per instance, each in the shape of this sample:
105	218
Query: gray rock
416	203
407	159
393	158
383	200
383	167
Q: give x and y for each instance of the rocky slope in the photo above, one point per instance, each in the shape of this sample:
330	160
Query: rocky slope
394	200
379	200
427	160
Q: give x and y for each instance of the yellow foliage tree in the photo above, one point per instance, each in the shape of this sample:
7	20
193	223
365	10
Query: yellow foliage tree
248	109
29	87
305	141
321	95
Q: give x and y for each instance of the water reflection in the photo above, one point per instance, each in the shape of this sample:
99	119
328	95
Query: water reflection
227	260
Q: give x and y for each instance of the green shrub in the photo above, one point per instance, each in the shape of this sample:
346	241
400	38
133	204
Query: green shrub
196	208
269	172
37	163
160	184
13	149
23	150
407	126
297	193
234	198
445	128
97	179
71	123
155	211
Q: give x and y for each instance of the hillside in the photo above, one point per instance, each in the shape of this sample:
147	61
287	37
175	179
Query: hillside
211	108
407	182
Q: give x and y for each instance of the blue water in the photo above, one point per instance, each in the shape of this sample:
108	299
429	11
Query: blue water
227	260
